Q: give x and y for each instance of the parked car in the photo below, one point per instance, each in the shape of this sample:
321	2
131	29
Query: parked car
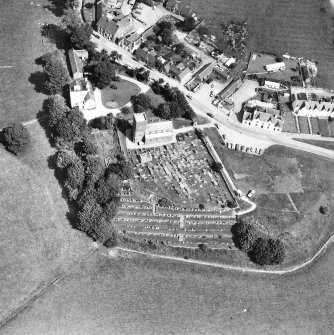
189	97
210	114
250	193
217	125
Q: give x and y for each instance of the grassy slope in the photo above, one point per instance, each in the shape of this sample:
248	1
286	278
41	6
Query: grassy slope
20	44
37	242
147	296
323	144
293	26
309	181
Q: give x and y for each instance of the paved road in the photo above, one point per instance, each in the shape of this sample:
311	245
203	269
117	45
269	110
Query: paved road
226	123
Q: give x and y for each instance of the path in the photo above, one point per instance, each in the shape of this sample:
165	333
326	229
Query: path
236	268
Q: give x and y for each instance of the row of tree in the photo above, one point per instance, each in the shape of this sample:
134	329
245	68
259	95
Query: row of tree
263	249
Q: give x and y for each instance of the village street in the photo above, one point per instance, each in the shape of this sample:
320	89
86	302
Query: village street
234	130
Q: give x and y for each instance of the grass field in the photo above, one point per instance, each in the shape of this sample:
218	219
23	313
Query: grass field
122	95
323	144
21	94
297	27
139	295
290	187
37	242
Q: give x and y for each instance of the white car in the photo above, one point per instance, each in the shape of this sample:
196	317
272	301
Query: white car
250	193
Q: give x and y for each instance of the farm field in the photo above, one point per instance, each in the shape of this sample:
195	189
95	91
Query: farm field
37	242
121	96
21	93
140	295
290	187
296	27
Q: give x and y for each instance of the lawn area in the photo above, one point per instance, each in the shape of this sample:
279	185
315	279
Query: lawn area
141	295
21	93
121	96
290	187
322	144
37	241
297	27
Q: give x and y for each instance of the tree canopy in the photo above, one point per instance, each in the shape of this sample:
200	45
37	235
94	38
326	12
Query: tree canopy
141	100
103	73
16	138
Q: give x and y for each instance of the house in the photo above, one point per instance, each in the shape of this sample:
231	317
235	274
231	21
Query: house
265	118
131	42
76	58
275	67
320	108
150	131
271	84
203	73
184	75
152	57
114	30
82	95
230	89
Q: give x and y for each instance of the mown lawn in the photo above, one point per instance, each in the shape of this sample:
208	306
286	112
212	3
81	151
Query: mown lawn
21	93
322	144
300	28
122	95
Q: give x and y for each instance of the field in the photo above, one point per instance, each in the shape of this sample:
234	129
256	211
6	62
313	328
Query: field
139	295
299	28
290	187
21	93
121	96
37	242
323	144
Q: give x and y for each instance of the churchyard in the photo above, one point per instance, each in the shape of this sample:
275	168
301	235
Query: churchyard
182	173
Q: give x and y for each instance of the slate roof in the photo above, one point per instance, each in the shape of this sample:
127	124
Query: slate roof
108	26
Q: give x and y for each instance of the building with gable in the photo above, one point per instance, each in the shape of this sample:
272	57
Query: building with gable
321	107
261	117
114	29
77	59
82	95
150	131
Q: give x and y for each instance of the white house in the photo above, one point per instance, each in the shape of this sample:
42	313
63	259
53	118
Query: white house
82	95
273	85
275	67
313	108
267	119
76	58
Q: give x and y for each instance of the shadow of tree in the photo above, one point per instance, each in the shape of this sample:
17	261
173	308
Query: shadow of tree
56	7
38	79
56	35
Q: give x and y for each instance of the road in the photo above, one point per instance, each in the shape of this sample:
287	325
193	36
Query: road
226	123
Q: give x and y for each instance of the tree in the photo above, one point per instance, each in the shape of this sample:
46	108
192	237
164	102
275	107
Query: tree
142	100
80	35
72	127
203	30
89	215
164	111
71	17
56	72
103	73
126	110
245	235
16	138
75	174
89	146
56	108
107	188
216	166
189	24
179	48
164	202
94	168
323	209
268	251
103	122
203	247
65	158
